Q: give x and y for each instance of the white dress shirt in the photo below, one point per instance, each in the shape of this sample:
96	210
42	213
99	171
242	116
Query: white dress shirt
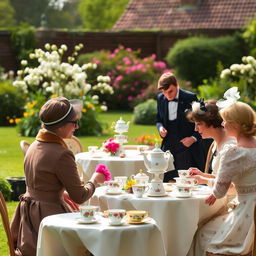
173	107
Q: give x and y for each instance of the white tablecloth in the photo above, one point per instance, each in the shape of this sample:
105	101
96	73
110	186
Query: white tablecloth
131	164
177	218
61	235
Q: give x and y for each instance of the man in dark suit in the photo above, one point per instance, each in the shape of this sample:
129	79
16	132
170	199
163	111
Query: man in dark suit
177	132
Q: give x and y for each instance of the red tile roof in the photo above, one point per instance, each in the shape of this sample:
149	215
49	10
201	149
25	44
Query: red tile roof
170	15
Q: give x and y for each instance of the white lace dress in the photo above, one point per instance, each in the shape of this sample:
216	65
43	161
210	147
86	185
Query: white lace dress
233	232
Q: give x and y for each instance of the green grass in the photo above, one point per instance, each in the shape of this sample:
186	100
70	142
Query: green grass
11	156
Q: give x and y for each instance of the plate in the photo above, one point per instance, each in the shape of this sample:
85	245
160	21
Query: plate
114	192
145	221
82	221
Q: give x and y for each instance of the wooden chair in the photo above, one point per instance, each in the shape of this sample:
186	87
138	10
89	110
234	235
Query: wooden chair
6	224
74	145
24	146
130	147
136	147
208	158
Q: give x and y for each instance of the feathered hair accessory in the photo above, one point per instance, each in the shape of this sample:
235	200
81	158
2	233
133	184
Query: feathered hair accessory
199	107
231	96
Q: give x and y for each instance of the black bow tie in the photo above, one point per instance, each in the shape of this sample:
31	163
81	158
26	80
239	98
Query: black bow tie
174	100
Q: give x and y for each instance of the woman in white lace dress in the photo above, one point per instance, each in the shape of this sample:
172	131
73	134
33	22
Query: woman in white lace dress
233	232
208	123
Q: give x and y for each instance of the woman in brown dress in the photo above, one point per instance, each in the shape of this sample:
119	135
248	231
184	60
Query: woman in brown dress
50	169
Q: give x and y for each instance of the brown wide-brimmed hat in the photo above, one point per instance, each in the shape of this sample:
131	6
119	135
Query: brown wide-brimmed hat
58	111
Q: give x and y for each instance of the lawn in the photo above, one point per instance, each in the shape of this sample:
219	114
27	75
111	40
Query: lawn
11	156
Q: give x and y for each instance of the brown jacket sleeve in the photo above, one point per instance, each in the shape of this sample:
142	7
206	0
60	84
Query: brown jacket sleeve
68	176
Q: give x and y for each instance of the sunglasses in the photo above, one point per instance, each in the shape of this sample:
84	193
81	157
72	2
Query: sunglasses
74	122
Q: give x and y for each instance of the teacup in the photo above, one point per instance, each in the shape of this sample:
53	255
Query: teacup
92	149
114	186
116	216
88	212
183	173
122	179
187	181
139	189
184	190
137	216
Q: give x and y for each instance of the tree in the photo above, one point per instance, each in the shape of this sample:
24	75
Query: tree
6	14
48	13
100	14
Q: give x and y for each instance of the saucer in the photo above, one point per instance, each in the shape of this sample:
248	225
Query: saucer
182	195
114	192
161	195
119	224
83	221
145	221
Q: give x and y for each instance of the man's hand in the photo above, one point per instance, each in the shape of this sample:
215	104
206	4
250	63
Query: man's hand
162	131
188	141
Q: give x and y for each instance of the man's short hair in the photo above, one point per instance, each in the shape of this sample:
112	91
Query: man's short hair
166	80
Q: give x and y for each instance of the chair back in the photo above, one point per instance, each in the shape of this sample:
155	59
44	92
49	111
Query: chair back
6	224
137	147
208	158
74	145
24	145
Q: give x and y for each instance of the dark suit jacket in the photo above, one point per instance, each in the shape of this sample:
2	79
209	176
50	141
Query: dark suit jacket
184	127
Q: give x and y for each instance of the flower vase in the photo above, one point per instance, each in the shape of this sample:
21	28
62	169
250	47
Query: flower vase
129	190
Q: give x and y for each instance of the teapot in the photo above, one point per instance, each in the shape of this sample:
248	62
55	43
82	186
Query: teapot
121	126
158	161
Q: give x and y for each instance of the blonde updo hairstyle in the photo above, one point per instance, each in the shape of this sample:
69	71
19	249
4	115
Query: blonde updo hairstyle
242	114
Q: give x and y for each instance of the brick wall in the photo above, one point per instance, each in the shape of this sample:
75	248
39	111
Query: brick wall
148	42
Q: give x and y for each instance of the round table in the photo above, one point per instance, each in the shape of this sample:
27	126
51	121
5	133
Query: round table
62	235
127	166
177	218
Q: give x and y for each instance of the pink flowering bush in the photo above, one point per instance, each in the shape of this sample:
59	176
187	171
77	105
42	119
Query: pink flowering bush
111	146
130	75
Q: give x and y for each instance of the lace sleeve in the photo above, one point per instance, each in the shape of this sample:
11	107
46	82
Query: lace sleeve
231	165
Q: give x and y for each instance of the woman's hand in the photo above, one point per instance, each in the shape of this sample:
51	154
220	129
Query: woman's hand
200	179
97	178
194	171
210	200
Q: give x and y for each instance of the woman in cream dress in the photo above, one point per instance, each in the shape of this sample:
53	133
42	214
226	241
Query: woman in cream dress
233	232
208	123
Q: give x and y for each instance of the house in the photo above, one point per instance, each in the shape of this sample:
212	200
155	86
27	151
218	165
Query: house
187	15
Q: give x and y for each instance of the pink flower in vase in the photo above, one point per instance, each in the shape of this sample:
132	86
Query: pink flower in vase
111	146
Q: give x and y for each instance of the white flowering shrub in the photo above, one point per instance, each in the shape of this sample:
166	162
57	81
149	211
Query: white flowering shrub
52	77
244	77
